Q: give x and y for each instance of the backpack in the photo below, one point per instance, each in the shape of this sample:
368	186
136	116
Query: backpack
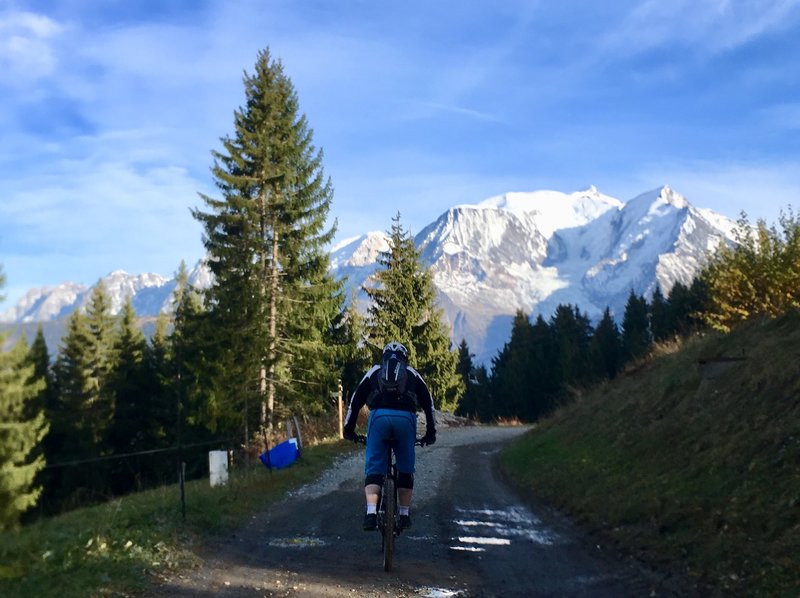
394	388
393	378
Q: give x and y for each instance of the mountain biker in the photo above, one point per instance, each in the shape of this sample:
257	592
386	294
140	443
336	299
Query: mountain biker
393	391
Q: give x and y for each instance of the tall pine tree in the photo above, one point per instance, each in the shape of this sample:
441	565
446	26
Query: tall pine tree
661	324
687	305
198	358
39	358
468	405
403	308
546	380
605	349
635	328
573	333
99	401
130	429
83	410
21	431
273	300
511	372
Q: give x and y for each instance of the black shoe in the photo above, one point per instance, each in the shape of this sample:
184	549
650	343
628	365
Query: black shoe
404	522
370	522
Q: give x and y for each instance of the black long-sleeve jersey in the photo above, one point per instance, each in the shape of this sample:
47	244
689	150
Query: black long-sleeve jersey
368	386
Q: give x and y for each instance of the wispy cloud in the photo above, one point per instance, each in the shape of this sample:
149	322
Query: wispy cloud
704	25
109	111
26	47
434	107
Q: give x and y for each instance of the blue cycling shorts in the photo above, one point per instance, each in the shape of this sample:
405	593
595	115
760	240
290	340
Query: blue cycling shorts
390	422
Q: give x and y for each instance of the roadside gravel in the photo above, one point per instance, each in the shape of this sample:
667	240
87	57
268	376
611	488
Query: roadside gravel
434	463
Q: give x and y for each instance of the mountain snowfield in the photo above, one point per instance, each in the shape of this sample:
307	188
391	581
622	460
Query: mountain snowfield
529	251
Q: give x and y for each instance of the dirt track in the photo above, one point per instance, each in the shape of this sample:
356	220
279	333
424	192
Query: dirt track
472	537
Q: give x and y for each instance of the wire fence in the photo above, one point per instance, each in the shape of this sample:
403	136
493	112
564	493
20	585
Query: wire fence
76	483
176	448
80	482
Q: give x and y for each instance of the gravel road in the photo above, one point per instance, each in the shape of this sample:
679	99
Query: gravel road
472	537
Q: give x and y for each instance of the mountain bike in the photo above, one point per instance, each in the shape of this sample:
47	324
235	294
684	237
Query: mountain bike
387	504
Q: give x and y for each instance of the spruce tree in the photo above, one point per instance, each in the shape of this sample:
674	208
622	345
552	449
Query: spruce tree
39	358
636	337
403	308
605	349
273	300
661	325
98	402
83	410
399	292
22	429
687	304
468	405
135	424
546	380
129	431
70	438
157	366
511	379
437	361
573	333
480	389
199	357
159	399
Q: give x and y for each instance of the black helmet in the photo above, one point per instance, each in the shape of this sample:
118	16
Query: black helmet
396	349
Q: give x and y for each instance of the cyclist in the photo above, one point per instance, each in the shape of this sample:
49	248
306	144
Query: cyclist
393	391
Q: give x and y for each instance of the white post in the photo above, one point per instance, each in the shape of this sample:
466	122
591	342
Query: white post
218	467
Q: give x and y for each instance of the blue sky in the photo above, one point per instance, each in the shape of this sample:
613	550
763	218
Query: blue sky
109	111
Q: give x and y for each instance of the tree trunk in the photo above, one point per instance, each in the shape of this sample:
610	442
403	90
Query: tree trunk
273	329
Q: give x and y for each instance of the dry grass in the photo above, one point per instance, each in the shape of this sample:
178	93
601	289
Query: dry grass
692	459
112	549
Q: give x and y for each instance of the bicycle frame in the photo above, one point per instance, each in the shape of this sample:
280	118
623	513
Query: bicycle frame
387	509
388	503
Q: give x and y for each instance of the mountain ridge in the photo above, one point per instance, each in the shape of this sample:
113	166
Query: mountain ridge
518	250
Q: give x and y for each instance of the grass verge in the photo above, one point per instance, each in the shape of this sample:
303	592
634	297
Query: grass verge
692	461
114	548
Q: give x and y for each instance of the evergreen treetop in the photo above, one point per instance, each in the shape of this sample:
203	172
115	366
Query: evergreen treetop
22	430
403	308
273	300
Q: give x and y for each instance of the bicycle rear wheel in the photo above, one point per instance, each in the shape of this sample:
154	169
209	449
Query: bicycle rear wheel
389	509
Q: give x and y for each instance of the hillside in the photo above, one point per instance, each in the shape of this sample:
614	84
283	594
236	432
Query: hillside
691	459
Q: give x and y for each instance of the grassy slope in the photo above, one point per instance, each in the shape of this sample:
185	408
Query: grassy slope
113	548
688	463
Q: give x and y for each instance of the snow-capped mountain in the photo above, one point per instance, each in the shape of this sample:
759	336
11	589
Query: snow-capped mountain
528	251
149	293
533	251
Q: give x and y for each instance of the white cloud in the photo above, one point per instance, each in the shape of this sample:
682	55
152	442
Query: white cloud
92	216
419	106
431	108
26	47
